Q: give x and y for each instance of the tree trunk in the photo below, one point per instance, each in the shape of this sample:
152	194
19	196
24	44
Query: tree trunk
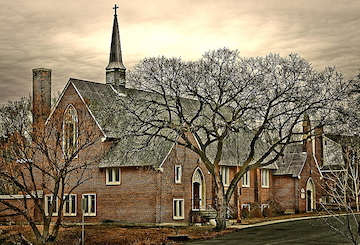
221	206
221	218
357	178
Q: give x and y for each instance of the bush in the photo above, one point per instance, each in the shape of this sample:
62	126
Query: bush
267	212
255	211
245	213
274	206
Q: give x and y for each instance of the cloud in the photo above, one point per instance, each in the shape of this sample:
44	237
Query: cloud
73	37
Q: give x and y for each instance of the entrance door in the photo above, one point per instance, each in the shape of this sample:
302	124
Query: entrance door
309	200
196	195
198	190
310	195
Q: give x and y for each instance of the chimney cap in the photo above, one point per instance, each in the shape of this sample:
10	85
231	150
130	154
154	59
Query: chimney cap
41	69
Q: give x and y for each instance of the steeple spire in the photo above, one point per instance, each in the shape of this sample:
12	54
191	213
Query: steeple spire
115	70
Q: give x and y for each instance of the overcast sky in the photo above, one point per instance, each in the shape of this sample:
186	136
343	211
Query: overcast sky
73	37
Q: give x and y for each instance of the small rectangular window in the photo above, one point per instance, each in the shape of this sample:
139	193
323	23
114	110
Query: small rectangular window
48	201
224	172
70	205
245	180
90	204
113	176
178	209
265	178
178	174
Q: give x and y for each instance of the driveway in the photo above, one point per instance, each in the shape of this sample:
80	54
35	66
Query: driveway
310	231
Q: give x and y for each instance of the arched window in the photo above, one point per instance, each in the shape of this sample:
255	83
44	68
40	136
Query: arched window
70	131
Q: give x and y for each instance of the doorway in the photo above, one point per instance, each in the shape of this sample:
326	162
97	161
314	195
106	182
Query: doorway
198	190
310	195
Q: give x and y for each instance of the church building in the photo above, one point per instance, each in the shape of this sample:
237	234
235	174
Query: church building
166	183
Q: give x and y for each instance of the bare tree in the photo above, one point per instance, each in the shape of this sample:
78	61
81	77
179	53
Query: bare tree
341	166
54	158
225	102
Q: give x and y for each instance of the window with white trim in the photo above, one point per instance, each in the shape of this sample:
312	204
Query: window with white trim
265	178
224	172
178	209
113	176
48	201
90	204
178	173
70	205
245	180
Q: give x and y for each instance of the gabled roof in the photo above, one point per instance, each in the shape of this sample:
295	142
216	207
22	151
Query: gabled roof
236	149
292	161
100	99
124	153
333	156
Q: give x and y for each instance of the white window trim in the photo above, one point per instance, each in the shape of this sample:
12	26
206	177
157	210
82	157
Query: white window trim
225	179
243	184
178	203
265	182
76	132
246	206
47	207
90	194
178	173
70	203
113	176
264	206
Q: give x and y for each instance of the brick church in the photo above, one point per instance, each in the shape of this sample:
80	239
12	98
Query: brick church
167	183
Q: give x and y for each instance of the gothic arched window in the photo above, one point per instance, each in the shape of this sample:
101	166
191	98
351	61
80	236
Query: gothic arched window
70	131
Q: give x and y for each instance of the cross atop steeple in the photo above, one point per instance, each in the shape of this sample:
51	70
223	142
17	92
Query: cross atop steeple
115	7
115	70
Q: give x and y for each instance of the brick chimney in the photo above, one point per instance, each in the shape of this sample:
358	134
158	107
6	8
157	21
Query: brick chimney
41	96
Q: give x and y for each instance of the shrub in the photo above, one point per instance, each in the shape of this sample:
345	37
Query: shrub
245	213
274	206
255	211
267	212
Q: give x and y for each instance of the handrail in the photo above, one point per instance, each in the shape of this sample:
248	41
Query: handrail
230	213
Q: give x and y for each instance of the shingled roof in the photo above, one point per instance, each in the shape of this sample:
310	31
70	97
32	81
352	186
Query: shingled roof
99	96
100	99
292	161
333	156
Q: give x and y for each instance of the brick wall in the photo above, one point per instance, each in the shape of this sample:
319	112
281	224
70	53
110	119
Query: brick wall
170	190
283	190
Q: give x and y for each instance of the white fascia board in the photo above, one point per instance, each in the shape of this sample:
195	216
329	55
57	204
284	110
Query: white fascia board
302	167
167	155
58	101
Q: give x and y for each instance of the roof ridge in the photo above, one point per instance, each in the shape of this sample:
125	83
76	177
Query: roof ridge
82	80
